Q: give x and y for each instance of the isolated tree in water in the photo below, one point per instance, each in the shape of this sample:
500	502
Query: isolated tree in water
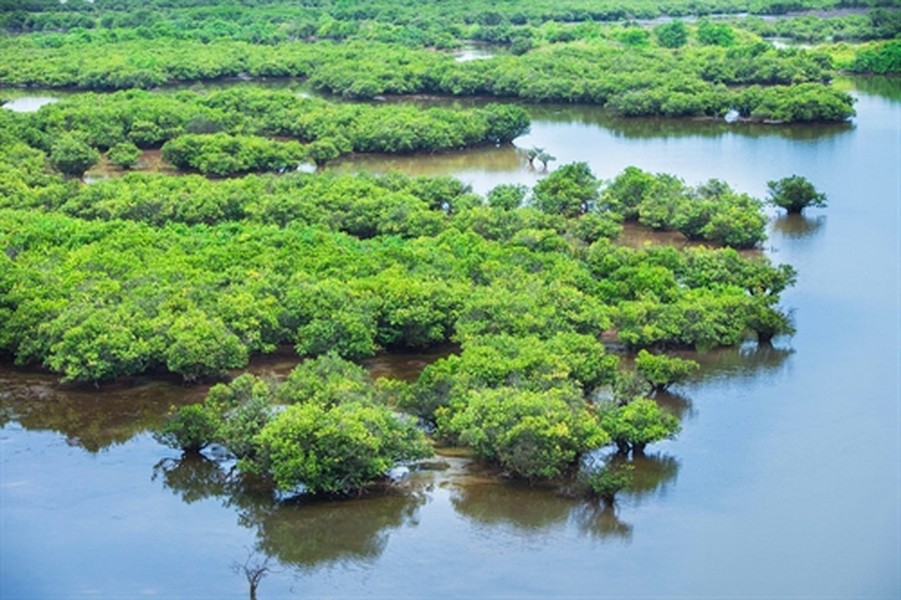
794	194
254	570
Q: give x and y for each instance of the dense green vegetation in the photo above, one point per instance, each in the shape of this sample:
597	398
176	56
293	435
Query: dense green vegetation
151	272
248	129
279	275
554	53
329	432
879	23
193	276
640	81
424	23
881	58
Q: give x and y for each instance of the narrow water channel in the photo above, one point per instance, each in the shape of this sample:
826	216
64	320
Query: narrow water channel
784	482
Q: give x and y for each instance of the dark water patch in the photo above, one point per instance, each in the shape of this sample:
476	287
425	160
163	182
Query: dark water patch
89	418
653	474
150	161
679	405
94	418
635	235
799	226
406	365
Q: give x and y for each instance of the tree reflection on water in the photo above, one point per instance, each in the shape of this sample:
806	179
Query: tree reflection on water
299	532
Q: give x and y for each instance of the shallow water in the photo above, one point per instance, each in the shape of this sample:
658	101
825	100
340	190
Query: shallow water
26	104
783	483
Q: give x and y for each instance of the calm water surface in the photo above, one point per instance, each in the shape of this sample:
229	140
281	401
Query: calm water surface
783	484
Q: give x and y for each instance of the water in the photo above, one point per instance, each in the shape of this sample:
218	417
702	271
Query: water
25	104
783	483
477	51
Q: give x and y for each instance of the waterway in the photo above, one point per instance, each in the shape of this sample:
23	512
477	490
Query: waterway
784	482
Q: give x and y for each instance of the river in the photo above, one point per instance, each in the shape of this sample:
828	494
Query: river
784	482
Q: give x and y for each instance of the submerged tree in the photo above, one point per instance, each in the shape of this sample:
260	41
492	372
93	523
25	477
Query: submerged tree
662	371
637	424
794	194
254	569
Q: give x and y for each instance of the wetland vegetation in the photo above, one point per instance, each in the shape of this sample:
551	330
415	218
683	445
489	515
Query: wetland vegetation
552	353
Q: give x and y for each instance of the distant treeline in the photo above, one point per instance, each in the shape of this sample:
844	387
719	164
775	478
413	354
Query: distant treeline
632	78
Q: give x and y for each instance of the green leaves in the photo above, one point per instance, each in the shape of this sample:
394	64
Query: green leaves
124	154
334	437
532	434
72	156
794	194
662	371
711	211
571	190
199	345
638	423
336	450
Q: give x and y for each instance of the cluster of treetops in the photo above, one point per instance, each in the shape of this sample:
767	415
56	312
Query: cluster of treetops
673	68
246	128
151	273
436	23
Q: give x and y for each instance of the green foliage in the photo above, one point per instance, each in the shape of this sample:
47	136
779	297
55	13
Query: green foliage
629	385
883	58
493	361
794	194
672	35
124	154
506	122
531	434
633	36
243	407
592	67
195	275
191	428
637	424
714	212
202	346
662	371
711	211
230	131
627	191
327	380
802	103
336	449
767	322
571	190
592	227
715	34
95	346
72	156
222	154
335	437
507	196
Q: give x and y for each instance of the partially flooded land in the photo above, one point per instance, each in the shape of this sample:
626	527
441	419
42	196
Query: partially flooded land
783	481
